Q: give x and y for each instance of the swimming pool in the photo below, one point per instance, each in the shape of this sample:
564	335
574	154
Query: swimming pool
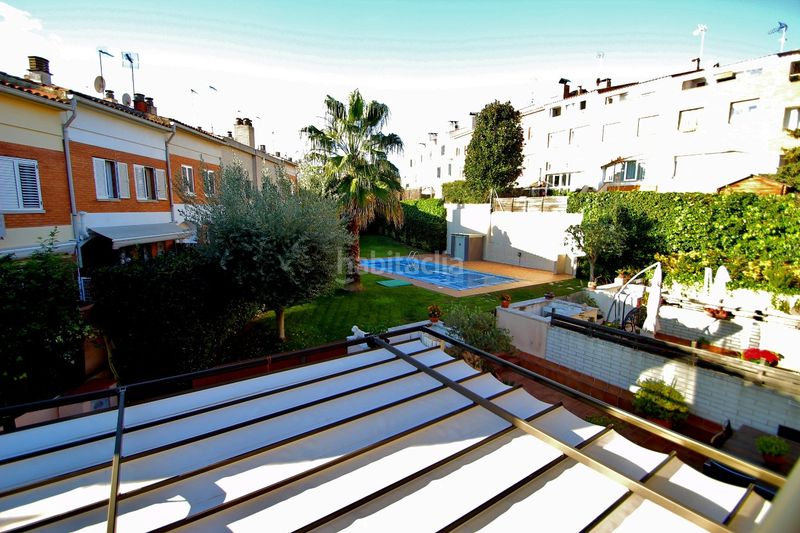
439	274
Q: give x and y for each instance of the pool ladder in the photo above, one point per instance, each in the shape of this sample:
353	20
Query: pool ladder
413	254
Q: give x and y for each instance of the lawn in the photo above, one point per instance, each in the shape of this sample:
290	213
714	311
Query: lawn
331	317
382	246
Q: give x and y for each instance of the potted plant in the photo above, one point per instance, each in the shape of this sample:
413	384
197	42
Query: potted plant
661	403
761	357
773	450
718	313
549	295
434	313
505	300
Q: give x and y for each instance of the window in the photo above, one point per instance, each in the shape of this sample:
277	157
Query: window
693	84
743	112
209	182
577	136
449	169
110	179
755	72
151	183
187	174
555	111
612	131
558	180
410	162
725	76
442	149
529	133
791	118
616	98
438	172
624	171
647	126
557	139
582	105
794	71
689	119
19	185
458	151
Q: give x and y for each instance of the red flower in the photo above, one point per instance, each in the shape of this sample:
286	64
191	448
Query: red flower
765	357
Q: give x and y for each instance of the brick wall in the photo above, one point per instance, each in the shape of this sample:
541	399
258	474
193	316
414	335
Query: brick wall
53	183
176	161
711	395
83	180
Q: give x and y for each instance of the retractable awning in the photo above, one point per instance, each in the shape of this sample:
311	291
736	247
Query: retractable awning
122	236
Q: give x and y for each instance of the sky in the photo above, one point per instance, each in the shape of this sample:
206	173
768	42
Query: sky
430	61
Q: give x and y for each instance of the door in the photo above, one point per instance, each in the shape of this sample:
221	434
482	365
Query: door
460	251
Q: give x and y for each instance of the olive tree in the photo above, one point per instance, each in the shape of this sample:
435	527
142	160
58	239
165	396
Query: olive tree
596	236
282	248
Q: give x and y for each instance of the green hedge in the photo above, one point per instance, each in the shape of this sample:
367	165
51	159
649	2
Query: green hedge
425	225
41	331
170	315
463	192
756	237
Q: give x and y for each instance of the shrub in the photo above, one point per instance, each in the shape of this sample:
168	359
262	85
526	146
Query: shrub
772	445
477	328
656	399
41	330
169	315
463	192
756	237
425	225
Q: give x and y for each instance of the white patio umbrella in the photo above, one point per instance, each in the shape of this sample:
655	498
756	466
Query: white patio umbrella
718	289
653	303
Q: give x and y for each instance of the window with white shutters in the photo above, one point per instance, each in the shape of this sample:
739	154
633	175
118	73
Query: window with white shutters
187	173
19	185
110	179
146	180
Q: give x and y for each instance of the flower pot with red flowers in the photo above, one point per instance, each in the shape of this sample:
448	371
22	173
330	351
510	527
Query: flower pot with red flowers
661	403
761	357
774	450
718	313
434	313
505	300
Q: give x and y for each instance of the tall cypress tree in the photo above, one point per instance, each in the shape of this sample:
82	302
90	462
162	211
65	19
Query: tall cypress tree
494	156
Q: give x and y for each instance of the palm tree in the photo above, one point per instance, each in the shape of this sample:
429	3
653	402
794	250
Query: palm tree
353	152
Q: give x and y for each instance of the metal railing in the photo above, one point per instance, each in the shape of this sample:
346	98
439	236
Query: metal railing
378	341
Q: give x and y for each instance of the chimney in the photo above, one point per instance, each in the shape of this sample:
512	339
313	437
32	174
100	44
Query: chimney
696	62
474	116
453	125
607	80
243	132
138	102
151	108
39	70
230	135
277	154
565	95
262	147
110	96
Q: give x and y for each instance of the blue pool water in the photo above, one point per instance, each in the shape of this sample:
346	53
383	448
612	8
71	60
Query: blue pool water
441	275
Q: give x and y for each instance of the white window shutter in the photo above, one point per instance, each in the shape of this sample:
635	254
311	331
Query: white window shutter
100	178
139	182
161	184
123	185
9	196
29	184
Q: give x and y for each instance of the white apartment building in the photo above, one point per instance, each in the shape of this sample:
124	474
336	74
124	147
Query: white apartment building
690	131
437	159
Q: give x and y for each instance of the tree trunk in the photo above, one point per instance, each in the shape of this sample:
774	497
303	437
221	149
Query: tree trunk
591	270
280	315
353	276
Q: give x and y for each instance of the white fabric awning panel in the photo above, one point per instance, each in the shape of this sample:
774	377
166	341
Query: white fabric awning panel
362	442
122	236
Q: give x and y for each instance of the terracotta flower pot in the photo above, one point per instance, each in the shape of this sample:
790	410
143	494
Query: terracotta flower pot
504	304
774	462
664	423
433	319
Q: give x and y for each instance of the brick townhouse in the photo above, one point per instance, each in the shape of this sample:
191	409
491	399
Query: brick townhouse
110	177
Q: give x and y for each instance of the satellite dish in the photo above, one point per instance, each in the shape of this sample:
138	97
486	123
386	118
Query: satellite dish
126	99
99	84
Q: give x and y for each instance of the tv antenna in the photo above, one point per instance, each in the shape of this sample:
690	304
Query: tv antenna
701	31
782	27
131	59
100	81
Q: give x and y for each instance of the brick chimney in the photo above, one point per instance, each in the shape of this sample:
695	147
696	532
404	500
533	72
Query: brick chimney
39	70
244	133
151	108
138	102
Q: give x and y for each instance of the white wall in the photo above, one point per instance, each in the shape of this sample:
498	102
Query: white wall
467	218
106	130
711	395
